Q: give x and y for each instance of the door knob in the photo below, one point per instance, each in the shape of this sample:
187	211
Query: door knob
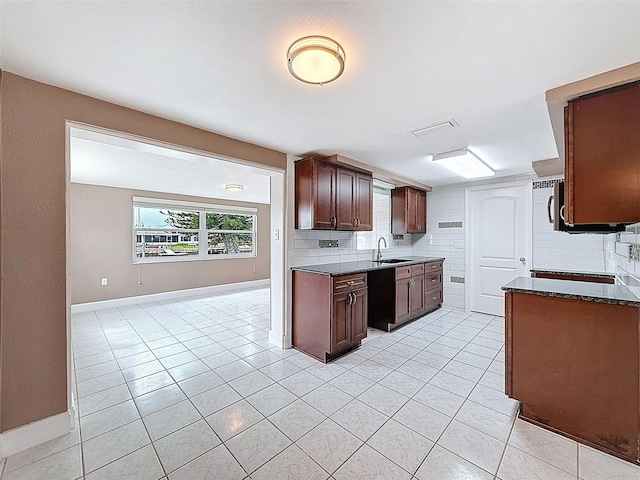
522	259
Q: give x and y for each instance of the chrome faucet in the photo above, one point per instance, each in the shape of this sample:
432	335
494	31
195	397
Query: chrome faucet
379	256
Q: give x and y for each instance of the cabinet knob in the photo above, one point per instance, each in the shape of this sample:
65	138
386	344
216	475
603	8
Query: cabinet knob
434	298
433	280
522	259
351	282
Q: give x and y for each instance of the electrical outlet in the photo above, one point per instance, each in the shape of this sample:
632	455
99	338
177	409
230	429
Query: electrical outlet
276	234
103	282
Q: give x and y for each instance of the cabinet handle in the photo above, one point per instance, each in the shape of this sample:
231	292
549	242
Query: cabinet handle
434	298
334	220
433	266
549	208
354	222
355	299
349	298
433	280
351	282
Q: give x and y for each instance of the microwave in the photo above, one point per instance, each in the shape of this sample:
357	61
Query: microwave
556	216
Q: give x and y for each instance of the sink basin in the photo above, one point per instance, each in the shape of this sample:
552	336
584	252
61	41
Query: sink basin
392	260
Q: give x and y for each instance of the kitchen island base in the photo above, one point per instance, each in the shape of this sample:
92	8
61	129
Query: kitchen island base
574	367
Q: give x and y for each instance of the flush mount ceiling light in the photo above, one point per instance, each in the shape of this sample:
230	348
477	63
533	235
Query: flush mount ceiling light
465	163
234	187
317	60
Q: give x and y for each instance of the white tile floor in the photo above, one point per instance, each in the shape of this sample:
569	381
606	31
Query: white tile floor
191	389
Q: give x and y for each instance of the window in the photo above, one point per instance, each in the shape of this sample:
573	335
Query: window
381	222
170	230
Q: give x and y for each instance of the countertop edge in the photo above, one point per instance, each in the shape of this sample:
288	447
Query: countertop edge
364	268
574	273
586	298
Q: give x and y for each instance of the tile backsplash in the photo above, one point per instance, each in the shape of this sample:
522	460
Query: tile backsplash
623	256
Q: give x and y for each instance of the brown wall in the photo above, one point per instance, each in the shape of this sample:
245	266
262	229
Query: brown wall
101	246
32	206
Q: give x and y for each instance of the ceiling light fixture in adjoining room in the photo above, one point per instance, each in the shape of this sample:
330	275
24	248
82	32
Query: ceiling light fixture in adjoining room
465	163
316	60
234	187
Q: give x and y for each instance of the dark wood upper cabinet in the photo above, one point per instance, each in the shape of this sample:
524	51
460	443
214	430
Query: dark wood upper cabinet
315	194
346	199
364	201
330	197
602	151
408	210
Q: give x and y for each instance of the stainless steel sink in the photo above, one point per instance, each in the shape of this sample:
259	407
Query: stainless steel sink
391	260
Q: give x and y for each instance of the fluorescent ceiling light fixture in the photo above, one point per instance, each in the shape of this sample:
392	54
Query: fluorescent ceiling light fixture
435	127
465	163
234	187
317	60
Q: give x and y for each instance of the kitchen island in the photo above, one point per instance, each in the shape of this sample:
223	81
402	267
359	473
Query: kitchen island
573	360
334	303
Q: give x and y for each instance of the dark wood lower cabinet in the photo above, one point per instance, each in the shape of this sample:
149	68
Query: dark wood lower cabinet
397	296
575	367
329	313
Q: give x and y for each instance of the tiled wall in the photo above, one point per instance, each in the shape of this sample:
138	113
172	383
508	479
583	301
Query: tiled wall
618	261
550	249
561	250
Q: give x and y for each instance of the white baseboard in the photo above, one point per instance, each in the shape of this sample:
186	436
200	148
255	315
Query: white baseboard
276	340
121	302
21	438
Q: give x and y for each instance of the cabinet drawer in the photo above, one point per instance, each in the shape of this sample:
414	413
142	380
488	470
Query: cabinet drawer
349	282
432	267
417	269
403	272
432	280
432	297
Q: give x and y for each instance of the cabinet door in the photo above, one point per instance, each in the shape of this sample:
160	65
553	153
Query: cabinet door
421	211
403	299
412	210
417	295
602	170
359	315
364	201
345	199
324	196
340	322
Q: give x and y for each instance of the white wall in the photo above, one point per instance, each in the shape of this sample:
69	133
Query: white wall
551	249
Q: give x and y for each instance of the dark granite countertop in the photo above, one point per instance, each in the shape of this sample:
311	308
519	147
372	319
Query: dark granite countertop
587	291
574	273
346	268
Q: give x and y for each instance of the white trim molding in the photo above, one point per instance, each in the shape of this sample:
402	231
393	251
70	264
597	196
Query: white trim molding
190	292
22	438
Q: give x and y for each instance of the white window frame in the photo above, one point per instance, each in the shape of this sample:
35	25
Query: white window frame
203	233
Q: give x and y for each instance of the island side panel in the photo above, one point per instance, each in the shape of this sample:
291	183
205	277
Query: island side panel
575	368
311	313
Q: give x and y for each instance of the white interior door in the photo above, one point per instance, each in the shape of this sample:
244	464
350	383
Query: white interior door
500	232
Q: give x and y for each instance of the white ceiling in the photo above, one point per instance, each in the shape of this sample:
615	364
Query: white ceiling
112	161
221	66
